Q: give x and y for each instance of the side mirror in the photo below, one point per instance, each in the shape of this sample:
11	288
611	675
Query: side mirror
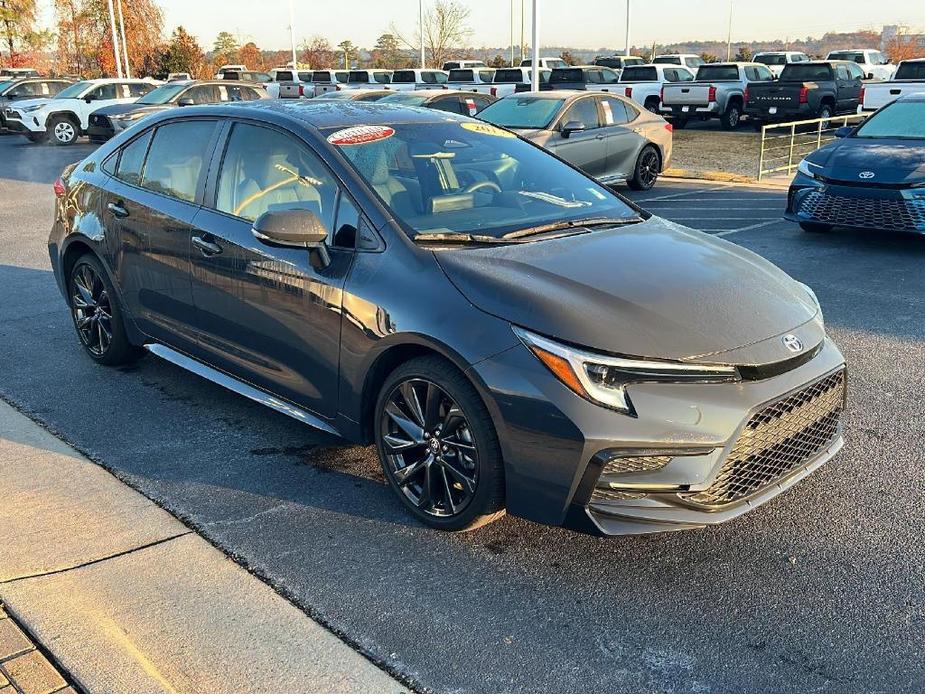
186	101
89	98
573	126
294	229
844	131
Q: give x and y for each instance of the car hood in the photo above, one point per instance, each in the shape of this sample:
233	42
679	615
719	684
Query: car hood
892	161
25	103
653	289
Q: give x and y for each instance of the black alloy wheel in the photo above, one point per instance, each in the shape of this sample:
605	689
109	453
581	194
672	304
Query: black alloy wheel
438	447
648	168
97	315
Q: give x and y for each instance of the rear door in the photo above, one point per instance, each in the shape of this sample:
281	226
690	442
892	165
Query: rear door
585	149
266	314
624	141
157	181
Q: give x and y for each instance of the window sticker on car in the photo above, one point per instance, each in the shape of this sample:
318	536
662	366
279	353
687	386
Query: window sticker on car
608	114
470	104
360	135
486	129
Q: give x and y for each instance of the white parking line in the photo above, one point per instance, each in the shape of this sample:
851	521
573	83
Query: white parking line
751	227
700	191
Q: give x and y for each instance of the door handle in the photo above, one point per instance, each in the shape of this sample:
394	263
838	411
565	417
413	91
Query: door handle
207	248
117	210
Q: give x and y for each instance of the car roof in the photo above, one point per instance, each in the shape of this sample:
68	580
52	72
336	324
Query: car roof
314	113
917	96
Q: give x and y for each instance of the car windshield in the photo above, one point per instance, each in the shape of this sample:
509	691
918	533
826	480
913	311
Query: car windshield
853	56
74	90
522	111
460	75
509	76
718	73
911	71
806	73
406	98
461	177
901	119
639	74
667	60
161	95
403	76
771	59
4	84
562	75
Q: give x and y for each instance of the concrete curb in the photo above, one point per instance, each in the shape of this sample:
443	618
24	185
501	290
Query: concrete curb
715	176
128	599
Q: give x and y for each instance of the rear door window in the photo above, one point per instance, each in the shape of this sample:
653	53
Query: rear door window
617	112
177	157
205	94
105	92
132	159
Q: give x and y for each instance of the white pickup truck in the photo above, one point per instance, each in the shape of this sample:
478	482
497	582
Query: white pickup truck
413	80
368	79
875	65
909	79
507	80
66	116
778	60
643	83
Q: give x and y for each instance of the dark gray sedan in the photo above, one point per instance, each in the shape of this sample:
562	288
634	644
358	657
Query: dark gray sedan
605	135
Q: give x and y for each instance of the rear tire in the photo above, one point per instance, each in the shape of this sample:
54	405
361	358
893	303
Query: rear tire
652	105
64	131
648	167
441	456
825	113
815	227
96	313
732	116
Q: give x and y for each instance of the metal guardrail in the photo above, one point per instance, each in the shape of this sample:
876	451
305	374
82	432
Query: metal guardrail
784	145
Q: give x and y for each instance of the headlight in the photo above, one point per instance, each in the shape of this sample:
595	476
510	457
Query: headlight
807	168
32	109
129	117
602	379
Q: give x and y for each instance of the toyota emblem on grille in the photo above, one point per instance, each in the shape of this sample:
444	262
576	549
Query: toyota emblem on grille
792	342
866	175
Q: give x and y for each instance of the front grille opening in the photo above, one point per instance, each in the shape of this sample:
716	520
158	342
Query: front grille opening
777	441
615	495
649	463
891	214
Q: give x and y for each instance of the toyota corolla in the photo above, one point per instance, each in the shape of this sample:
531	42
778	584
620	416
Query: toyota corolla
509	333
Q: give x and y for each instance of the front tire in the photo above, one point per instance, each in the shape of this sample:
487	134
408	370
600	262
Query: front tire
97	315
63	130
825	115
438	446
648	168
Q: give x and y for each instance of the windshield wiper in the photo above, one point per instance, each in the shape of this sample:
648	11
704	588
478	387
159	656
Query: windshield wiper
457	238
573	224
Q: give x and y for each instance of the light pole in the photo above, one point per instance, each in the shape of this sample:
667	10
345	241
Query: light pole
512	33
128	68
535	63
295	62
627	51
523	45
421	27
115	40
729	35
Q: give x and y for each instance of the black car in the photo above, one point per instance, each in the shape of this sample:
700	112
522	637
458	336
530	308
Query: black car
508	332
872	177
110	120
806	90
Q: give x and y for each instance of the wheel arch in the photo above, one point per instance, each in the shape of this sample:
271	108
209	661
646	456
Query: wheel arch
401	350
70	115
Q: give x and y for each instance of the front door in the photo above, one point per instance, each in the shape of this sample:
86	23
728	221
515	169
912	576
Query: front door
150	204
586	148
270	315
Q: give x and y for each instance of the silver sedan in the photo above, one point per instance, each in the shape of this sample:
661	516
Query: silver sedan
604	135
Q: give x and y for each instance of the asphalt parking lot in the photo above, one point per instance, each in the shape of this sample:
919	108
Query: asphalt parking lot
822	589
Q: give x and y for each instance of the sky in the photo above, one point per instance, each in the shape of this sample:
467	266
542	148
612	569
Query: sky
586	24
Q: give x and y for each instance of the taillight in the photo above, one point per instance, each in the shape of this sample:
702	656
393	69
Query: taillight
60	190
804	95
669	127
661	96
745	96
863	91
301	90
494	91
628	92
711	95
337	88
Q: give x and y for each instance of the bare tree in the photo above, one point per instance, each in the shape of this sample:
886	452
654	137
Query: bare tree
446	26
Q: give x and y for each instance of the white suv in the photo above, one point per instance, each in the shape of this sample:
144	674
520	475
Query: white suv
65	116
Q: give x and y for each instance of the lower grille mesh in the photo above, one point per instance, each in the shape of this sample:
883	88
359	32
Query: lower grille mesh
892	214
648	463
778	440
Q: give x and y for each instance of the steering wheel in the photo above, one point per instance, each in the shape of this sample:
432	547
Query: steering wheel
478	185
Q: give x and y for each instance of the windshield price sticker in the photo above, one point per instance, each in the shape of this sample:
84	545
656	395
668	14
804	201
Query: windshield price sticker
486	129
360	135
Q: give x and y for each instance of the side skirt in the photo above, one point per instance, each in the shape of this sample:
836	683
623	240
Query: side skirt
239	387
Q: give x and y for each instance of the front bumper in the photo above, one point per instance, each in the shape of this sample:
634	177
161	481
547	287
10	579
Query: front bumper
816	201
686	470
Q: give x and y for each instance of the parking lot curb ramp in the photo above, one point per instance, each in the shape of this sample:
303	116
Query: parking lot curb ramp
125	598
